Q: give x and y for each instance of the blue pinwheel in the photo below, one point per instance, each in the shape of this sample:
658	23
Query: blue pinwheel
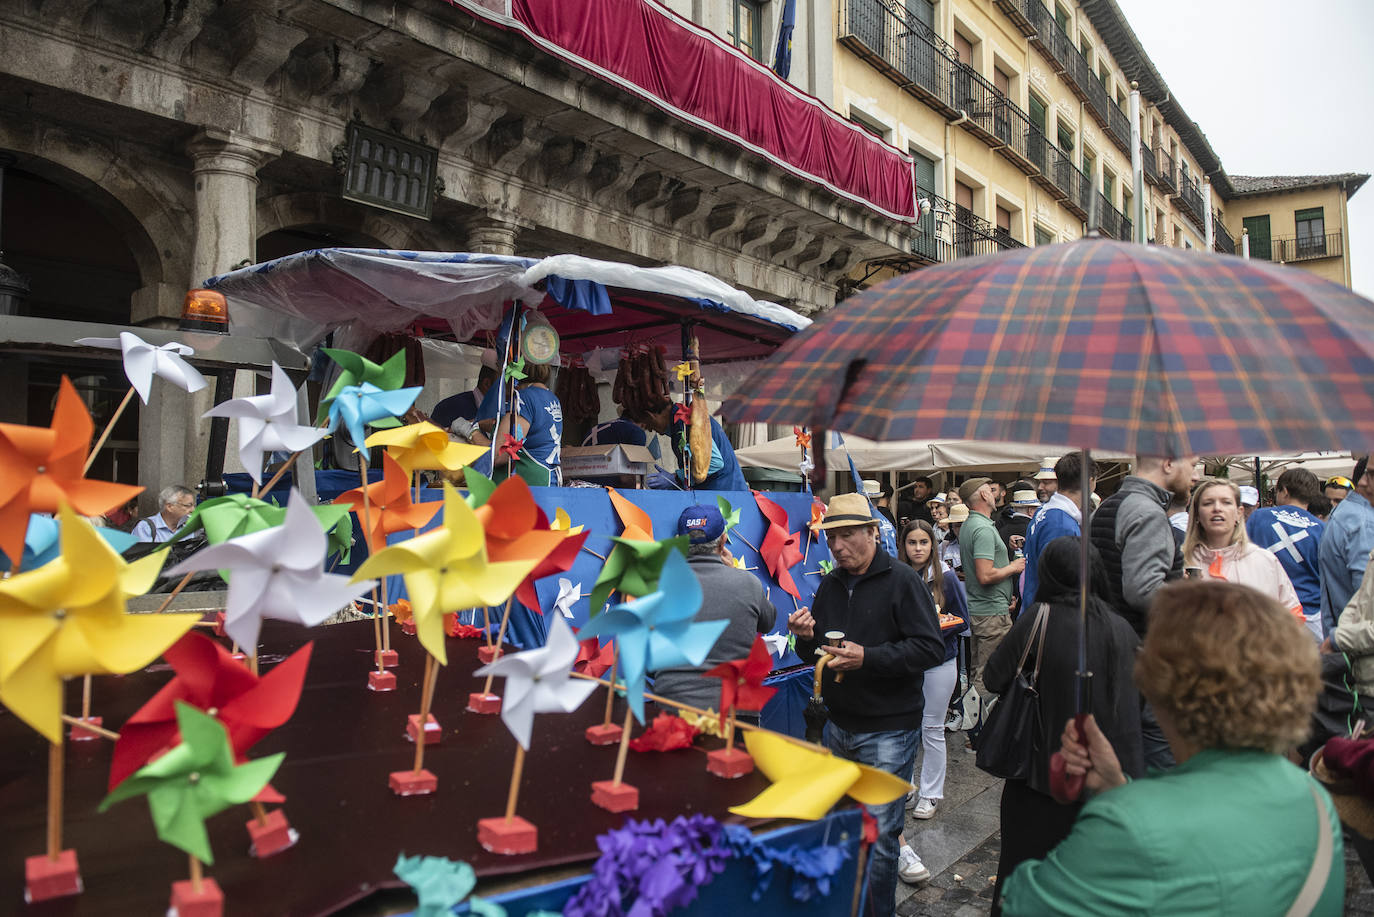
356	406
657	631
42	542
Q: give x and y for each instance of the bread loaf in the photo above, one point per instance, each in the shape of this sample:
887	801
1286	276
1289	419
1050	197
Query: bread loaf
700	439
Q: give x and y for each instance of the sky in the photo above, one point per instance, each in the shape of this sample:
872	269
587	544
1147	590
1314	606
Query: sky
1278	88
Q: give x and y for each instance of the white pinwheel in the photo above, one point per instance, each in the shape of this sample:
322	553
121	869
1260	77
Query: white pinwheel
267	423
277	573
540	681
568	596
142	361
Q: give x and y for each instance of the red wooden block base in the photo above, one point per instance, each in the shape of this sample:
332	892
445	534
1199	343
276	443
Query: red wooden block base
45	878
729	762
432	731
219	624
274	837
412	783
85	735
484	703
408	627
488	654
615	797
381	681
508	837
187	902
239	657
605	734
386	658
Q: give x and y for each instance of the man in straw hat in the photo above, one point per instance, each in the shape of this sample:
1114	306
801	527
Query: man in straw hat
876	618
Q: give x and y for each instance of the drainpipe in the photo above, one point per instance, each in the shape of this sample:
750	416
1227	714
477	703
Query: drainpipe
1208	230
1137	168
949	150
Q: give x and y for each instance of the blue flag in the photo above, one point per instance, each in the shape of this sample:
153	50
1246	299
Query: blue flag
782	56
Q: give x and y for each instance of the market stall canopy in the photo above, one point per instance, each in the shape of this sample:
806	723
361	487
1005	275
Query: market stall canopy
1322	464
301	298
913	455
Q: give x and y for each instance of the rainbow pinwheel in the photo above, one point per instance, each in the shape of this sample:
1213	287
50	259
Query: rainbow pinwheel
779	546
424	447
807	781
193	781
232	515
355	369
42	467
42	542
656	630
268	423
356	406
276	573
539	681
143	361
68	618
447	569
210	679
389	507
741	681
633	568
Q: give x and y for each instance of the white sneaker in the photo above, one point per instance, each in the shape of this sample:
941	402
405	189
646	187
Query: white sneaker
910	869
924	809
911	799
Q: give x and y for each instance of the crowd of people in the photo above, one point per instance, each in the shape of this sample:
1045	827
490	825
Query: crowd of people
1208	637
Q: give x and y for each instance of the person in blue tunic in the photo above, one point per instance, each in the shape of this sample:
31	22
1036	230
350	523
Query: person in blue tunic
464	404
724	471
1293	535
540	427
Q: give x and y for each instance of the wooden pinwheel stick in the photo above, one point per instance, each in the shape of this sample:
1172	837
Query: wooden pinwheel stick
386	618
486	623
600	557
90	727
378	611
86	696
272	481
747	542
610	688
624	748
426	697
197	875
500	635
730	730
516	772
259	811
54	800
176	591
109	428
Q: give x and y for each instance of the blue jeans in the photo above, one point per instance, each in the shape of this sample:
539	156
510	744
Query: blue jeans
894	752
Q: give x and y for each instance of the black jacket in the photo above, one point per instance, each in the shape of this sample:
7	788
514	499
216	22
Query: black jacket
889	612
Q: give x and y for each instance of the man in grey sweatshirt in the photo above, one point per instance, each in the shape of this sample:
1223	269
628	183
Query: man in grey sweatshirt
1131	530
728	593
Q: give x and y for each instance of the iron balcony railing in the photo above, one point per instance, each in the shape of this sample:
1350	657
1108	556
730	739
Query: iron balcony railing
1019	12
1168	172
1190	197
1300	248
1119	127
991	114
947	231
1221	239
1112	221
901	47
1149	165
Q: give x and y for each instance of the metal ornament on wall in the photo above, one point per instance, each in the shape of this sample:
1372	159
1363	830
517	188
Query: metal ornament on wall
387	171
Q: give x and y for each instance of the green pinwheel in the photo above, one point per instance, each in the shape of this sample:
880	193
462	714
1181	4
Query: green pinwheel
355	369
515	369
480	488
728	513
193	781
633	568
231	516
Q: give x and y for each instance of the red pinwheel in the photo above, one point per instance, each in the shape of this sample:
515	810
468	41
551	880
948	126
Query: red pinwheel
803	437
388	506
741	681
510	447
209	679
559	560
817	515
683	414
592	658
779	547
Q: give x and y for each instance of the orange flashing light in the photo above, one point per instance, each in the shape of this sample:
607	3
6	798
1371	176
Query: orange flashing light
205	310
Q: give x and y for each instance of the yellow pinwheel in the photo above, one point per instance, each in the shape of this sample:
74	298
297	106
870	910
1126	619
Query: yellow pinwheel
562	522
424	447
68	618
808	781
446	569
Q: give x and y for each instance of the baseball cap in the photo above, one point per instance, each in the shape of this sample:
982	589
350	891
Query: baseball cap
702	523
969	487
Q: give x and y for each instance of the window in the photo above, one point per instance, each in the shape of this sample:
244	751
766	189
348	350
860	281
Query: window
1043	236
1061	18
1126	208
1258	229
873	127
1037	113
1004	219
926	242
1089	164
1002	81
964	48
1109	185
1311	232
1103	72
1066	138
748	27
964	232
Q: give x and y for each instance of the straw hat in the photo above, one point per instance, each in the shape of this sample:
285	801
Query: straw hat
958	513
872	488
846	510
1046	472
1024	498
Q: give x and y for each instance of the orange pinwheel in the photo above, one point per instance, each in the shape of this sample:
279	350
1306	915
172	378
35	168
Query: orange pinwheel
803	437
389	508
511	519
817	515
42	467
638	525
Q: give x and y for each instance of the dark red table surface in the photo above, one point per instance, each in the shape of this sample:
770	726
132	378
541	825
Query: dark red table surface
341	744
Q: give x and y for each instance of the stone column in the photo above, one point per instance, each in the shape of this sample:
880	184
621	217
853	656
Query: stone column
494	233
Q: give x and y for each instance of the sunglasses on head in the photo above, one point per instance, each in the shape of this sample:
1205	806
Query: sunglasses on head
1339	481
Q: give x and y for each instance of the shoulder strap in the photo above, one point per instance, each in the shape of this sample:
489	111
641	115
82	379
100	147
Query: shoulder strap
1315	884
1037	635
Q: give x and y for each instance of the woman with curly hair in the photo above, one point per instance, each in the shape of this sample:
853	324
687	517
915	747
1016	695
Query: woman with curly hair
1235	828
1217	546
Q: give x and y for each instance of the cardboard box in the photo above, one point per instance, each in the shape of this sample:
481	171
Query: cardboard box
605	461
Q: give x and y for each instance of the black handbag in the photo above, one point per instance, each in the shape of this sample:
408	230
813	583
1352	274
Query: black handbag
1006	744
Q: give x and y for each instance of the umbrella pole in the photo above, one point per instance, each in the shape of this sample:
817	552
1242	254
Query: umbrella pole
516	771
54	800
109	428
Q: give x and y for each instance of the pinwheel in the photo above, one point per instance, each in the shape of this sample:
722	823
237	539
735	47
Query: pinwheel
385	506
355	369
814	526
223	518
143	361
728	513
803	438
268	423
683	370
683	414
779	549
568	596
778	644
562	522
190	783
515	369
42	543
356	406
594	659
424	447
633	567
537	681
741	684
510	447
445	569
517	529
41	467
276	573
807	780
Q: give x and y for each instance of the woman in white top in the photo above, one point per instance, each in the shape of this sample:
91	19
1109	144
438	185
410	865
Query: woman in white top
1217	547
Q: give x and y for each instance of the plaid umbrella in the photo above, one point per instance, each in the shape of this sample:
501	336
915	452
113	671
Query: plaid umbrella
1100	344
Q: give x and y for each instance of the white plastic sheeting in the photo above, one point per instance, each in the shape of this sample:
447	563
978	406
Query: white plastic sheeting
913	455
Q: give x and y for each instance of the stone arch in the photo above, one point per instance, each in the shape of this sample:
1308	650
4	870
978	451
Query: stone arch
320	210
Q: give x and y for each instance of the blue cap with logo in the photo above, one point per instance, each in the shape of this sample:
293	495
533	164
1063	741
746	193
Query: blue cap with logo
702	523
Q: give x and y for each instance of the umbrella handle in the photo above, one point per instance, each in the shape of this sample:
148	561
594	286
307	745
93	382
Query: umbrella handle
1066	787
820	668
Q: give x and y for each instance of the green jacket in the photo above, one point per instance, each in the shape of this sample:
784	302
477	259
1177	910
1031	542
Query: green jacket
1225	833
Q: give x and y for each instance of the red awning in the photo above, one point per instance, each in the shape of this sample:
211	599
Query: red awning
650	51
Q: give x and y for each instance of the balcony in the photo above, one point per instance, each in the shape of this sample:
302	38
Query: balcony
1149	164
901	47
1301	248
947	231
999	121
1111	221
1168	173
1222	240
1119	127
1019	12
1190	201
